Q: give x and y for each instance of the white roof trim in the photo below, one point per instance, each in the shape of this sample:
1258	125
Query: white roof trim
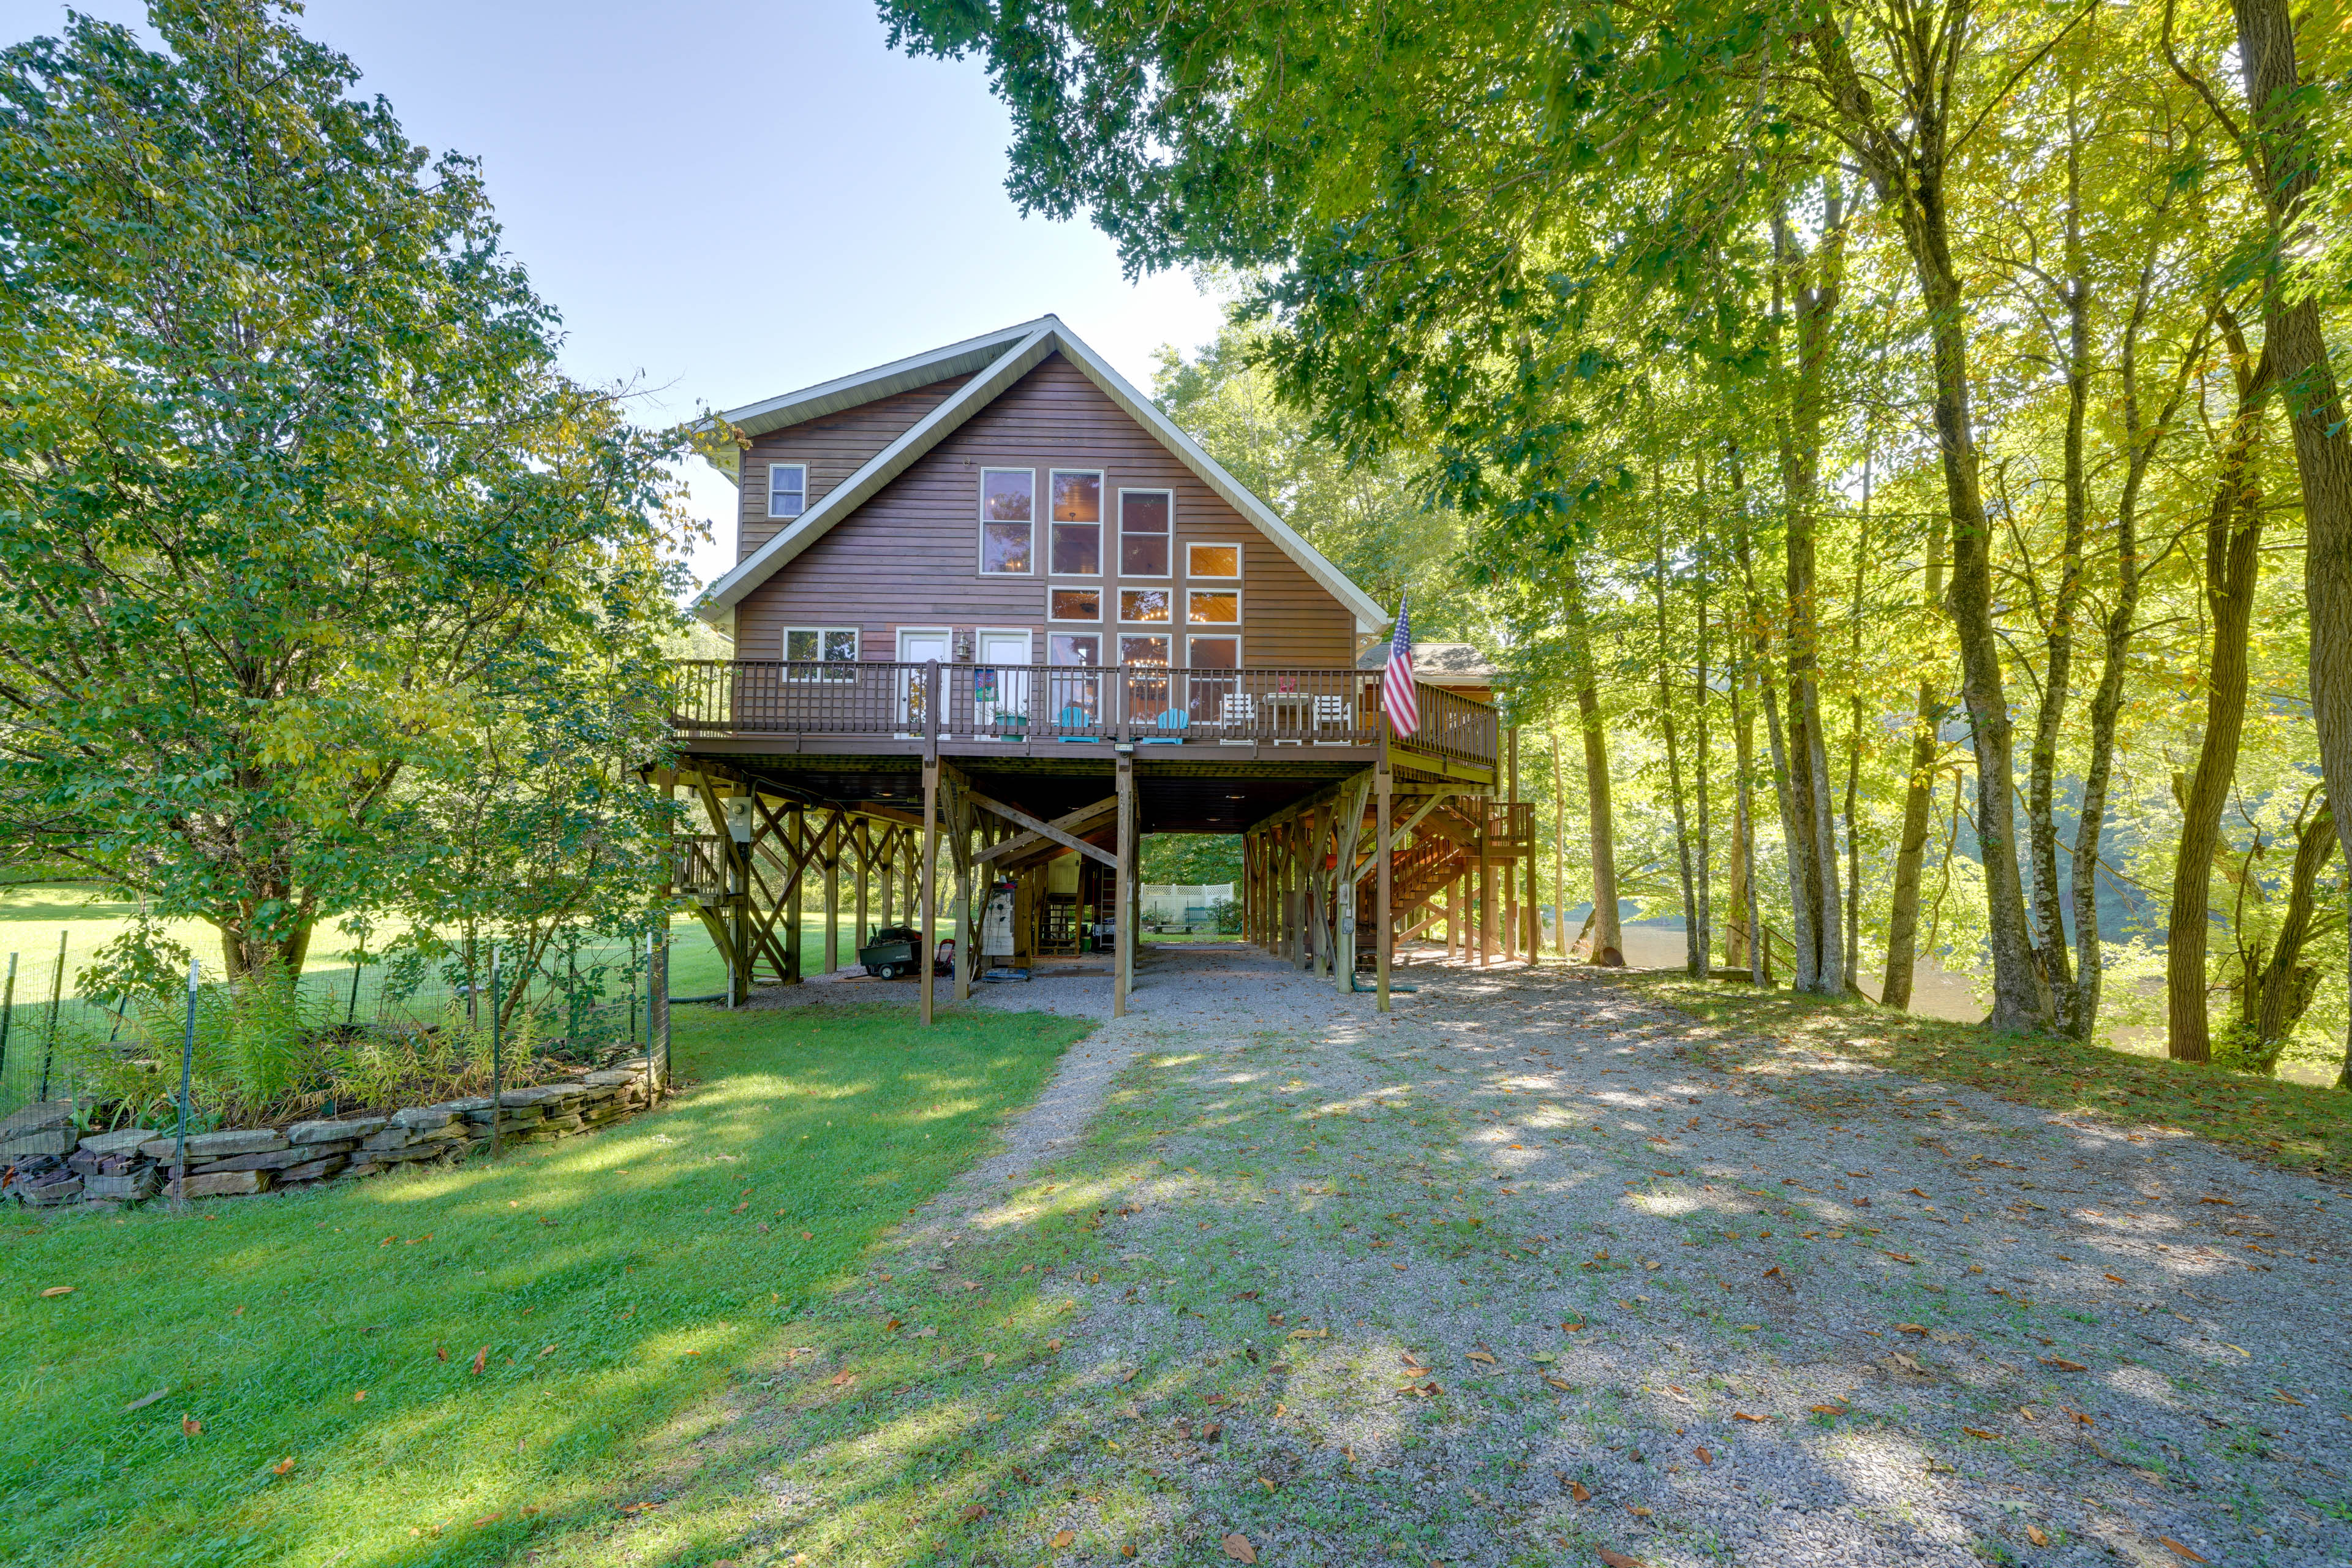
883	381
1000	359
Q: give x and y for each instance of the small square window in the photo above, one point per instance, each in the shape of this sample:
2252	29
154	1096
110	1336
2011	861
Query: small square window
1075	648
787	489
1214	606
1212	561
1074	605
1143	603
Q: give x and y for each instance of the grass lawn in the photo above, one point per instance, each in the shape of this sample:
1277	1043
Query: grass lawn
316	1354
2298	1127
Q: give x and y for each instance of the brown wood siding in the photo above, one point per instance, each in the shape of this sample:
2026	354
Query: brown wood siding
833	448
909	556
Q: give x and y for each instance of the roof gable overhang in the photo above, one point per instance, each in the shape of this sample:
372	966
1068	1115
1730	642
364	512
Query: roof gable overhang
995	362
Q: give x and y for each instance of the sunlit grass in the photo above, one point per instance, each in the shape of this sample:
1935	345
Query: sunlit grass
617	1290
2297	1126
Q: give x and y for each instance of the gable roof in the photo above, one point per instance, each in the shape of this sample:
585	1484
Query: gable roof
994	362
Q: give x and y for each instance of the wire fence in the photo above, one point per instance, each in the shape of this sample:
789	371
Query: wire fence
586	998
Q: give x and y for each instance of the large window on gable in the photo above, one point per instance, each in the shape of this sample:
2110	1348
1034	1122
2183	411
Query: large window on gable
787	489
1077	547
1143	532
1008	522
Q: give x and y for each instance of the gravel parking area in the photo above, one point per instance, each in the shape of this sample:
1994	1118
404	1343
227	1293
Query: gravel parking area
1534	1271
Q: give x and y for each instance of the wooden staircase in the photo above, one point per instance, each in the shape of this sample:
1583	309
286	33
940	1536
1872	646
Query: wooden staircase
1445	847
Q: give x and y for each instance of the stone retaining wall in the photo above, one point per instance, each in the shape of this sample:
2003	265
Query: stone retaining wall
55	1166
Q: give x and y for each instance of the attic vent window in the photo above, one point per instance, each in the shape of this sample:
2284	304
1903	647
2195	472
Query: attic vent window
787	489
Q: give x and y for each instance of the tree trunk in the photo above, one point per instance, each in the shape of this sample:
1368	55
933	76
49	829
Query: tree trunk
1918	807
2233	533
2278	987
2107	701
1607	939
1813	844
1694	959
2058	630
2283	162
1738	935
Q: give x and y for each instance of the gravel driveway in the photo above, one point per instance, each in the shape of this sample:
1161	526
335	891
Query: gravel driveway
1532	1271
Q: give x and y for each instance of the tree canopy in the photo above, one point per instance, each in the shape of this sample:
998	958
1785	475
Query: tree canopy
301	525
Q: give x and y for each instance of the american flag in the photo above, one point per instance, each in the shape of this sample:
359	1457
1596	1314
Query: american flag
1399	695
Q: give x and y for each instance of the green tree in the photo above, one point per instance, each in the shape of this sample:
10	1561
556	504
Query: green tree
296	507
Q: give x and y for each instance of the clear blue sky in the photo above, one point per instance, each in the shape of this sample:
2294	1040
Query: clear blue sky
728	201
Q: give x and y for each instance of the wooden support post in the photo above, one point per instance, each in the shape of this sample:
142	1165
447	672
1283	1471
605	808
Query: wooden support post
1535	910
1384	939
797	827
960	825
1485	922
1123	899
928	869
830	863
862	870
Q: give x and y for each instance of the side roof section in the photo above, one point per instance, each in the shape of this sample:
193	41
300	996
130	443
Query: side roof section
995	362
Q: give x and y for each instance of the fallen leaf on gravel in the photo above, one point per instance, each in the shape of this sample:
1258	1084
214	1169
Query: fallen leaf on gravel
2063	1364
843	1378
1831	1409
1310	1334
1239	1549
1981	1431
1579	1492
2226	1202
1482	1356
1915	1192
1637	1510
2181	1550
1773	1272
1567	1387
1743	1415
1571	1328
2285	1398
1619	1559
1062	1538
1703	1457
2034	1533
56	1291
2116	1277
972	1510
1900	1257
1910	1327
2079	1416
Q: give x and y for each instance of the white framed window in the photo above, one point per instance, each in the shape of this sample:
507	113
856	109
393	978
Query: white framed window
1008	522
1213	560
810	652
1078	648
1067	604
1075	546
1212	607
1145	606
787	489
1143	650
1146	528
1213	652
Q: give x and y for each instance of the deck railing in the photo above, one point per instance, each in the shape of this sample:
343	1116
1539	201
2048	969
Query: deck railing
1143	703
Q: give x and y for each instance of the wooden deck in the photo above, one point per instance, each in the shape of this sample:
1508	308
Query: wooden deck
1174	718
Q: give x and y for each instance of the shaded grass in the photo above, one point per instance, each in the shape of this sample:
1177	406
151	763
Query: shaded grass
2296	1126
618	1289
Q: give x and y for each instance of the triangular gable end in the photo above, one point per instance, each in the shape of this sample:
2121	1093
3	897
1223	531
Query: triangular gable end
1003	359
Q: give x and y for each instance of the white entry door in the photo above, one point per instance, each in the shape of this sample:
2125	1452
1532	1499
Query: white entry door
915	648
999	687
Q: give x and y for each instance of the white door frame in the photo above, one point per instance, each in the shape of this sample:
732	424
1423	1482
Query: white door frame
910	704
